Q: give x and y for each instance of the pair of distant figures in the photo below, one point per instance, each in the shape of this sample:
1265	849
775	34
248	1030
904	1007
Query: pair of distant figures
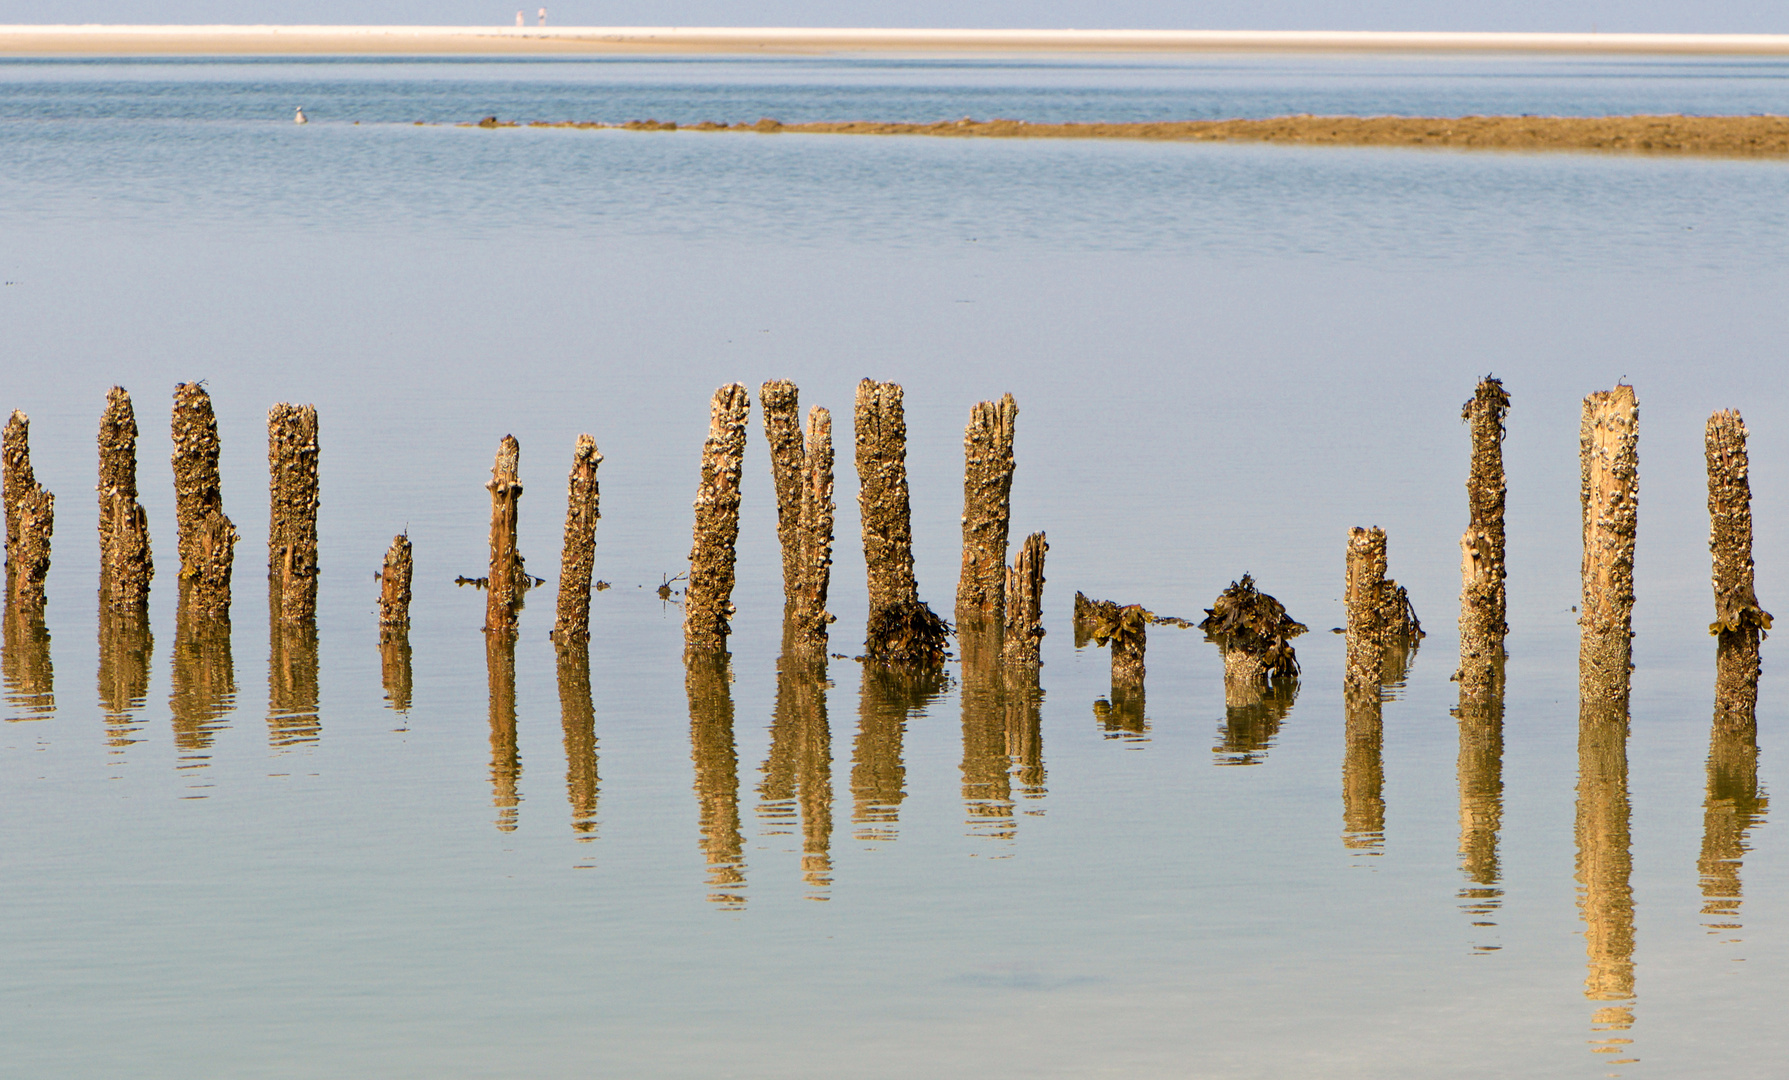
542	18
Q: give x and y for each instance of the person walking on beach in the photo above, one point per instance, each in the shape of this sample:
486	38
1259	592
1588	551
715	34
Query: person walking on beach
543	16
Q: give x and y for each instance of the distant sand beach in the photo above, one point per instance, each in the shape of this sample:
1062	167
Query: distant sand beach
101	40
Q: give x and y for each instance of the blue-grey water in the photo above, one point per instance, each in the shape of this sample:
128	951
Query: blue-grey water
1224	356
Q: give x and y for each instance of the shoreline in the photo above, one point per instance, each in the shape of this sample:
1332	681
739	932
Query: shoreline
182	40
1699	136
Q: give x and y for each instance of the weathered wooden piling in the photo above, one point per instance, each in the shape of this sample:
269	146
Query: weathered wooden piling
30	519
1608	448
901	629
125	565
1483	593
1739	623
577	561
987	507
508	582
1378	610
207	538
782	428
292	501
814	533
1024	599
1124	630
394	589
1254	633
708	601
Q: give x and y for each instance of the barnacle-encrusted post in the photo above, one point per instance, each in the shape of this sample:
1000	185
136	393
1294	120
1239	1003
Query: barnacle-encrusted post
1483	603
1739	623
30	519
987	506
578	559
782	428
1125	631
1608	449
1255	634
814	533
394	590
901	629
508	580
207	538
125	567
1379	611
1024	603
292	509
708	601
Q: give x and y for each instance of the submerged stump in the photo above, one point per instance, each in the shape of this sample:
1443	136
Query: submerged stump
1608	447
292	509
1483	595
508	582
901	629
207	538
987	507
1254	633
1739	623
30	520
125	566
708	601
1024	599
577	561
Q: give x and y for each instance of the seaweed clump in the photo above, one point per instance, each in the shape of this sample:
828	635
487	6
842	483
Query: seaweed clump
908	632
1254	631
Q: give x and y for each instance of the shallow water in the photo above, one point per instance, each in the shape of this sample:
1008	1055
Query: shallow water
1224	356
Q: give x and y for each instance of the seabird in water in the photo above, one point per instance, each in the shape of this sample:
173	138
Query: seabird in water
300	118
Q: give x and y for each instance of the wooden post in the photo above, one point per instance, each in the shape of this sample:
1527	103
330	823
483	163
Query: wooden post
125	565
207	538
1739	623
1024	597
1379	612
1483	596
814	531
578	559
782	428
394	590
708	601
30	519
901	629
1254	633
292	509
987	507
508	580
1608	446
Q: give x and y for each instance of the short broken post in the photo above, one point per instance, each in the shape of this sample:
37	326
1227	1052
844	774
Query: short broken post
901	629
782	428
125	565
1483	595
577	562
809	615
1739	623
394	590
1024	595
508	580
1254	633
1608	446
1378	609
987	508
292	510
708	600
30	519
207	538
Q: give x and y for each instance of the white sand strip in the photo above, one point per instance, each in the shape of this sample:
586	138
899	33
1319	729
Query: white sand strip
95	40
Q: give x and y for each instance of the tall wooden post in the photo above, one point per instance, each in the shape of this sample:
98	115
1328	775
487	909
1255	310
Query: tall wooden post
1483	597
292	509
901	629
1739	623
708	602
987	507
577	561
509	580
207	538
1608	447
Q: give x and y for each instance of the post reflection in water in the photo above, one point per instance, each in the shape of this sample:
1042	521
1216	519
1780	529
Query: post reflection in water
1252	717
25	667
125	648
987	786
203	684
1363	757
394	672
708	675
797	785
1734	806
1120	713
506	760
578	717
888	696
292	695
1480	769
1604	872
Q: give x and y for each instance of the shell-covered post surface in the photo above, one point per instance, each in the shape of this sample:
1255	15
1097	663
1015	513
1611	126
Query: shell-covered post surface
509	580
30	520
293	498
814	530
394	590
708	600
1608	448
1739	623
780	402
125	565
901	629
1483	594
1380	616
1024	621
577	561
1254	632
207	538
988	465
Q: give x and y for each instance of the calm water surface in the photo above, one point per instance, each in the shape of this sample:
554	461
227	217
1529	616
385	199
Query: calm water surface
278	856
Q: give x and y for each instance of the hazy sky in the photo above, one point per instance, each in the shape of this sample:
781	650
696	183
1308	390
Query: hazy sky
1756	16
